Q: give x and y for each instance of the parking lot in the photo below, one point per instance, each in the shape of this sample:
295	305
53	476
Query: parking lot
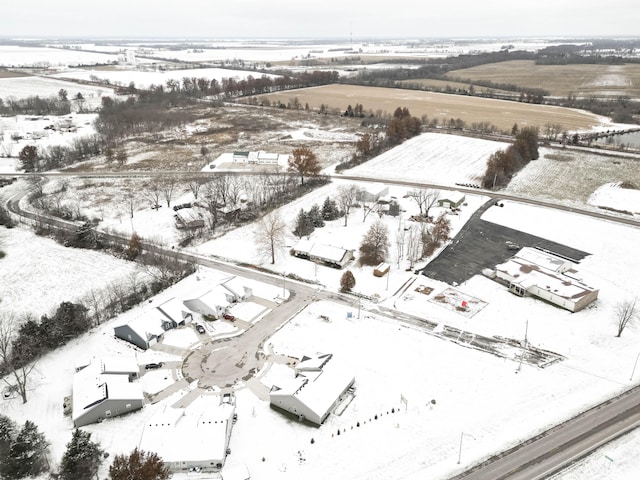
481	244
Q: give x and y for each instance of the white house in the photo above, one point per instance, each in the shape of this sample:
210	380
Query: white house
176	311
213	302
237	288
320	384
104	389
546	276
372	192
191	439
317	252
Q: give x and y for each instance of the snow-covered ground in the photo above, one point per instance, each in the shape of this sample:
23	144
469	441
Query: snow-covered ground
18	56
22	87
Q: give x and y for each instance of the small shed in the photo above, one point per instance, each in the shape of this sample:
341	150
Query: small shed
381	270
372	193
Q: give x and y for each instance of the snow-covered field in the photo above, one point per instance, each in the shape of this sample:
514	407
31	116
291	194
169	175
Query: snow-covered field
22	87
430	156
144	79
17	56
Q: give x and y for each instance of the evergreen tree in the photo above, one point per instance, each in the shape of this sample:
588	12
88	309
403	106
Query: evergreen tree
27	454
7	435
303	226
330	210
82	457
138	465
315	216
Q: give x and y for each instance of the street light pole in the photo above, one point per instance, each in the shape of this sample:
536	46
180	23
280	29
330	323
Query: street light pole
634	367
462	434
283	286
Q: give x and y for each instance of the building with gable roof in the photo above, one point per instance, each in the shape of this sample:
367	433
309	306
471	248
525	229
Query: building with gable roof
319	385
191	439
145	330
105	389
335	257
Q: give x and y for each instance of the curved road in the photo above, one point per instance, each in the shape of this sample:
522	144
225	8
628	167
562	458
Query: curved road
536	458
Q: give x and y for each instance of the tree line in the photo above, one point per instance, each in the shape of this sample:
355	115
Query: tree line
503	164
24	453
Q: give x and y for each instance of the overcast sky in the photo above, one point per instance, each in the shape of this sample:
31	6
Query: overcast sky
319	19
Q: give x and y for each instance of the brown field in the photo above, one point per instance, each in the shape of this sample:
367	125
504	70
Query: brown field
12	74
501	113
560	80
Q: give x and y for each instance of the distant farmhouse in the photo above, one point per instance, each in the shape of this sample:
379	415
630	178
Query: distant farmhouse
319	386
192	439
325	254
105	389
251	158
546	276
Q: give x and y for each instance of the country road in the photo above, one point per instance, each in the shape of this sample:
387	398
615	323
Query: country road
535	458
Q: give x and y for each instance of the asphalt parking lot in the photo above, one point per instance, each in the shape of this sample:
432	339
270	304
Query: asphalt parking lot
481	244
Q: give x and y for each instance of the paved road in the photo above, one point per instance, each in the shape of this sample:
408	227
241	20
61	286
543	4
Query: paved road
548	453
535	458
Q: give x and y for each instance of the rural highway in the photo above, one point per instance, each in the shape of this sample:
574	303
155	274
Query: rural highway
534	459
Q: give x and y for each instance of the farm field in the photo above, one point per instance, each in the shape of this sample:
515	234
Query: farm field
501	113
17	56
28	86
560	80
443	84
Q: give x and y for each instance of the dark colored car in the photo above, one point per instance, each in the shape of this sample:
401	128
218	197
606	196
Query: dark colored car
200	328
153	366
228	316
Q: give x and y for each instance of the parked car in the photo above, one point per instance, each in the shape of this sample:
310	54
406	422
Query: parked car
228	316
200	328
153	366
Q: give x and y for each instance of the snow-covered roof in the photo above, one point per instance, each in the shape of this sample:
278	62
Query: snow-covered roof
189	215
452	195
319	250
235	285
195	433
174	309
544	259
216	297
91	386
318	389
148	324
312	364
529	275
119	365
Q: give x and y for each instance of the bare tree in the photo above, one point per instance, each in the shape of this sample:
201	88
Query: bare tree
347	195
152	192
195	183
167	187
626	312
269	235
18	373
425	198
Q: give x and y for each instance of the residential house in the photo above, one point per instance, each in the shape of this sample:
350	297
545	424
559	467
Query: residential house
191	439
187	218
319	386
238	289
104	389
145	330
325	254
176	312
372	192
212	302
